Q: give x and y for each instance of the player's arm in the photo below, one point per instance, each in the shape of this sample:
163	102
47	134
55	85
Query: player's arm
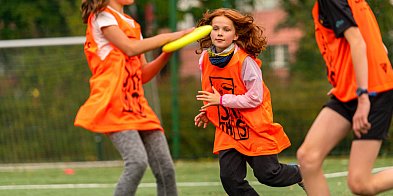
149	70
135	47
211	98
252	78
342	22
359	55
360	63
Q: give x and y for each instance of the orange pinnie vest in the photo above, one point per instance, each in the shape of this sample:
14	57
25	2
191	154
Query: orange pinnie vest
250	131
116	100
337	54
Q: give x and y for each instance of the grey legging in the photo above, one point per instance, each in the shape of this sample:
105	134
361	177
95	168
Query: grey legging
138	149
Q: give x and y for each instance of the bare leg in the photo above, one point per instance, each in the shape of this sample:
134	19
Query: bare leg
360	179
327	130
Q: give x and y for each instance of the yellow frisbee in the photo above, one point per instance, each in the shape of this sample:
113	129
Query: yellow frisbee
196	34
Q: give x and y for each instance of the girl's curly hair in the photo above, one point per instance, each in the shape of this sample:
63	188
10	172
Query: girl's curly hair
251	37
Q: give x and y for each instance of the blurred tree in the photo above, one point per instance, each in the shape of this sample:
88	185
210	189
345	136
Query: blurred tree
46	18
40	18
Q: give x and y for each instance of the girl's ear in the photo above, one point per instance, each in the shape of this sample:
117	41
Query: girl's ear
236	37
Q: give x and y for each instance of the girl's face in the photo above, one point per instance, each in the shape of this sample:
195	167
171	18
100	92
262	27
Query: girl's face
119	4
122	2
223	33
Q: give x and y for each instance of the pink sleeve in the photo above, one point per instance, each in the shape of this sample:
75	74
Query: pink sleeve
252	78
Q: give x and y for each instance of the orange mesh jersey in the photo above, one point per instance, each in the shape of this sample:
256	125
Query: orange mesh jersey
250	131
337	55
116	100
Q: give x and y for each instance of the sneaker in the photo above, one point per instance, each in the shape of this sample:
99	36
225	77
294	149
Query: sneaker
301	184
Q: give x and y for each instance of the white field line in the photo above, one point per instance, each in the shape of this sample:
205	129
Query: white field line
10	167
146	185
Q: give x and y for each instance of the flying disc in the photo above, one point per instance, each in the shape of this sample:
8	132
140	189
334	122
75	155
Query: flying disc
196	34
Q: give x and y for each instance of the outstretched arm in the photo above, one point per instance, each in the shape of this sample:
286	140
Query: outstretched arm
136	47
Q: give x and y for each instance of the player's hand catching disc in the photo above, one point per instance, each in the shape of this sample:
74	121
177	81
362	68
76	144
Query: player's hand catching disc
195	35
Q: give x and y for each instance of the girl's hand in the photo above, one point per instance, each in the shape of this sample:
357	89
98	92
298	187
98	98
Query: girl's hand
330	92
360	123
201	119
386	49
210	98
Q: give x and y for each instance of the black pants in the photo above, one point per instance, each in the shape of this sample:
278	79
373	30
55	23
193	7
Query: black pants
267	170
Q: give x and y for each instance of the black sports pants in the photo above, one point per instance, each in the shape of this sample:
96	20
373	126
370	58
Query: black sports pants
266	168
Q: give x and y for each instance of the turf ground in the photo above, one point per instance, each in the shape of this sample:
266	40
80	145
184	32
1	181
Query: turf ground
195	178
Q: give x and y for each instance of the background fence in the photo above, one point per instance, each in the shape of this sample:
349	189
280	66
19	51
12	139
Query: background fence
43	85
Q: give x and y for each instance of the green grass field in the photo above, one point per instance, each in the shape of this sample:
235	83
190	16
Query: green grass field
197	178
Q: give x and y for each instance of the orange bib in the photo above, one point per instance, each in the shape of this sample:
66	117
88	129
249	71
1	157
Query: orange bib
249	131
337	55
116	100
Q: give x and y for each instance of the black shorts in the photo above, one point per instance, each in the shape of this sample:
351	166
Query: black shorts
380	115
